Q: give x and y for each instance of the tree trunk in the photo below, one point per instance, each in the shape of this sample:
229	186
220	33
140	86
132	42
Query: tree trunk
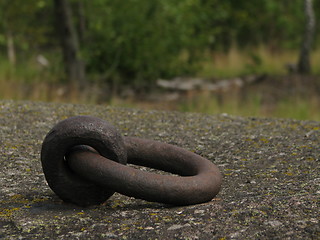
10	48
74	67
304	59
82	21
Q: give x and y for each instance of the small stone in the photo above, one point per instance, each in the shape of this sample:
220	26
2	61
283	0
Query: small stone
200	211
177	226
149	228
274	223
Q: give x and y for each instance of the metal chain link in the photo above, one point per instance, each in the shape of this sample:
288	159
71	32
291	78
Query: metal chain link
84	162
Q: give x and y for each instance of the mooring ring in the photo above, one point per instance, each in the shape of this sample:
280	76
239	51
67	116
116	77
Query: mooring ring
75	131
86	177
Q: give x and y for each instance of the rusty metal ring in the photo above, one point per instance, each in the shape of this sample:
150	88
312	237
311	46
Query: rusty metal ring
199	182
75	131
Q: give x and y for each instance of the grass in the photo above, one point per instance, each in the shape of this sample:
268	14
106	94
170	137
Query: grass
299	108
260	59
212	104
289	107
29	81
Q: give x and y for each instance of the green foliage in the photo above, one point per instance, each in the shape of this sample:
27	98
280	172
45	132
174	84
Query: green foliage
29	22
140	41
135	42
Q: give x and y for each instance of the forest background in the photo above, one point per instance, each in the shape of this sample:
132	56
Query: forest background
115	52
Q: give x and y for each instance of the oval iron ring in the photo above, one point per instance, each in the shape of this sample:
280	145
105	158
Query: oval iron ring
200	180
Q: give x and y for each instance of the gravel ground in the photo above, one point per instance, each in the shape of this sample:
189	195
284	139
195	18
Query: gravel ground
270	168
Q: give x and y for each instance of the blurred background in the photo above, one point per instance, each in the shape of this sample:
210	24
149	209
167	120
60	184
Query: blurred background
210	56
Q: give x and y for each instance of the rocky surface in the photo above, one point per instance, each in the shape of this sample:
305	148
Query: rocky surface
270	167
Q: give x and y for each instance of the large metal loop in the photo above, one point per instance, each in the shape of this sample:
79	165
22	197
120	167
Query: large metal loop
199	180
75	131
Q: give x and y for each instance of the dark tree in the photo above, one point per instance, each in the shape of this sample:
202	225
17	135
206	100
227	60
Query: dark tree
304	59
74	67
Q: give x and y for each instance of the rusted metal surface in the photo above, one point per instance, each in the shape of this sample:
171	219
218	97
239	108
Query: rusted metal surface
80	130
104	170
